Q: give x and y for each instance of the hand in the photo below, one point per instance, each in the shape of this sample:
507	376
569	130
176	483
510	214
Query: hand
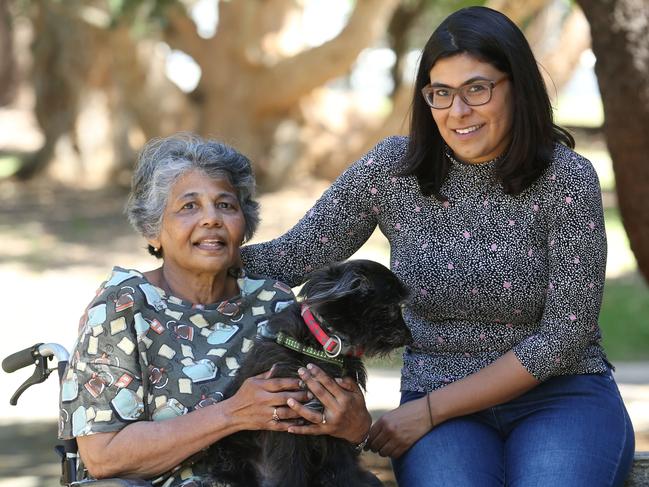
399	429
344	407
260	396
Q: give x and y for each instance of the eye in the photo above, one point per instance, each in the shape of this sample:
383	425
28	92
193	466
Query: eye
441	92
189	206
224	205
476	88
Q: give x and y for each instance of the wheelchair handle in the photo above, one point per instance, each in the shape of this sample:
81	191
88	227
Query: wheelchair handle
30	356
36	355
21	359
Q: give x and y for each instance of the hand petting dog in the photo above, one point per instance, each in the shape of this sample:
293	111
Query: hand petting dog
344	406
258	401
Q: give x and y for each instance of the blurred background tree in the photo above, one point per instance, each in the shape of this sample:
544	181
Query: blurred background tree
7	65
106	75
621	45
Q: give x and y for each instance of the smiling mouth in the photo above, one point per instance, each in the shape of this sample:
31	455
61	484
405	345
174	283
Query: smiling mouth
210	244
468	130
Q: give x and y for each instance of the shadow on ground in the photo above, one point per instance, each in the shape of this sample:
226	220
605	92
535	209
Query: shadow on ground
27	455
28	459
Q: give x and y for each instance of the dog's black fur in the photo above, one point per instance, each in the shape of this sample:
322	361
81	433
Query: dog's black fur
360	300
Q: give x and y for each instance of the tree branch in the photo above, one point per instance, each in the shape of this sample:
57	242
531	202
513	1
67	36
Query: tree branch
519	12
294	77
180	33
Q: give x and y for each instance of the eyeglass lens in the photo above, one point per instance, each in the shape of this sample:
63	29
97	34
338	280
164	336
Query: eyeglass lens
473	94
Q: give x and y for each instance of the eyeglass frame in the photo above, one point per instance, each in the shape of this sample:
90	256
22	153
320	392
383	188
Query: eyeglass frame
455	91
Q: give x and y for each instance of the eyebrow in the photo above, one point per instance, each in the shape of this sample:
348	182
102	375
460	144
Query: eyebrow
467	82
194	194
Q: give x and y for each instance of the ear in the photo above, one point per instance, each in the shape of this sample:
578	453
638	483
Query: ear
154	242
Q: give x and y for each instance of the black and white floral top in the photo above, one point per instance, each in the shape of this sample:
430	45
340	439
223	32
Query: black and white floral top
488	272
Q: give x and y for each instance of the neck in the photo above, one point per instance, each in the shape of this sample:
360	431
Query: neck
202	289
451	155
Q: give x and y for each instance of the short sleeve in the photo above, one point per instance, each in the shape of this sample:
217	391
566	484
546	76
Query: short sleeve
102	389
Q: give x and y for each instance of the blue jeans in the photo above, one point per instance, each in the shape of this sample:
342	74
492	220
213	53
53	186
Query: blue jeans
570	431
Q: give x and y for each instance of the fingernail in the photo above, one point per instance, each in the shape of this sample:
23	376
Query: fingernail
301	371
291	402
339	380
309	395
309	366
301	384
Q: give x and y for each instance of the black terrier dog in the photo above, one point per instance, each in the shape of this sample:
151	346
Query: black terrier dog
346	310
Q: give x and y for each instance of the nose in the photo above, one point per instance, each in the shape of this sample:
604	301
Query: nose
458	107
211	217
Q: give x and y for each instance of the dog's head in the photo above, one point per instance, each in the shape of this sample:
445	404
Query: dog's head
361	300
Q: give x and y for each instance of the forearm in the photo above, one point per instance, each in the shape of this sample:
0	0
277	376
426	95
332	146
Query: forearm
499	382
148	448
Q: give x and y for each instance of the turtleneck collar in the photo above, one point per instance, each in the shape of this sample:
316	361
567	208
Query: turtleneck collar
464	166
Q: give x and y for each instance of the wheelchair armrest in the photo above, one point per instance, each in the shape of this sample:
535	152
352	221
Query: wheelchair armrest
112	483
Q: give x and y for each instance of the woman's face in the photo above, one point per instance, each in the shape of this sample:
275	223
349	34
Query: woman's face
474	133
202	225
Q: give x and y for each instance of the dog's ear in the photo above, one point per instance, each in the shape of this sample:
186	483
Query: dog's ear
331	284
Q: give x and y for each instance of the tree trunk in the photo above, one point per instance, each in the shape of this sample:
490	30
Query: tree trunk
249	96
7	64
59	71
620	30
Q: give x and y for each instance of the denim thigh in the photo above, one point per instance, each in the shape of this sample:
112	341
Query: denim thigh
462	452
570	431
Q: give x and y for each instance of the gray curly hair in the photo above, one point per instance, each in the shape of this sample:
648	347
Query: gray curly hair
163	160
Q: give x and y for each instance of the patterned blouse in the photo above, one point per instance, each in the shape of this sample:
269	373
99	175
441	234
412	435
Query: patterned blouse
143	355
488	272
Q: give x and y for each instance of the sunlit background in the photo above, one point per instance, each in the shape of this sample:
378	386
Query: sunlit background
102	77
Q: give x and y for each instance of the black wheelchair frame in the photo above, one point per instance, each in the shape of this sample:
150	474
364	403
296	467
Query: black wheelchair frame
39	355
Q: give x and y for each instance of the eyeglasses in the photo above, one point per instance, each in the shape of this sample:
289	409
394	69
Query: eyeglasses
473	94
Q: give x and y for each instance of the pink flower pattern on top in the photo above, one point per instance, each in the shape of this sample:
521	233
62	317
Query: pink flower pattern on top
488	271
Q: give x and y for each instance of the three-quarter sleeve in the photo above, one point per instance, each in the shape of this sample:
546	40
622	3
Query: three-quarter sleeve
337	225
102	388
576	251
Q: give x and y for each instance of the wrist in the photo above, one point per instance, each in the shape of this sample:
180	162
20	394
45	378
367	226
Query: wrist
434	409
361	435
360	446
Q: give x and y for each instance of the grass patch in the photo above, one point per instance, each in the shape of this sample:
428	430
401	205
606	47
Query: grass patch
620	258
9	164
392	361
624	318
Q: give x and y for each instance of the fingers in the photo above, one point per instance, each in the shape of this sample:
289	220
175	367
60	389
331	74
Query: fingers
284	413
382	443
307	413
348	384
282	384
321	385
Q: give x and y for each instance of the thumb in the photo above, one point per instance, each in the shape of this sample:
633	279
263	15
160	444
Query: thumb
348	384
266	375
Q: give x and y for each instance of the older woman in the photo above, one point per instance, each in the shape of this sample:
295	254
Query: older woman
143	393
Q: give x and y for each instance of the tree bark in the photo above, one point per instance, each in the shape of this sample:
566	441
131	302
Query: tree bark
248	95
7	62
59	71
620	30
559	63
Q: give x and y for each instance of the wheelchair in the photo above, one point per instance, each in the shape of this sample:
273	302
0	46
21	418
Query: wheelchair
39	355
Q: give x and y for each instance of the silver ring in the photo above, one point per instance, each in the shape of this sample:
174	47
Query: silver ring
324	418
275	415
